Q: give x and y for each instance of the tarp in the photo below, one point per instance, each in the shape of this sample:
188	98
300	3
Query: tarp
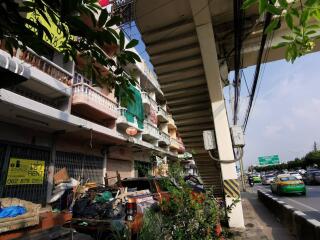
135	108
12	211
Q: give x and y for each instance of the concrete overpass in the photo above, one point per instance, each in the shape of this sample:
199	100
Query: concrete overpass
191	46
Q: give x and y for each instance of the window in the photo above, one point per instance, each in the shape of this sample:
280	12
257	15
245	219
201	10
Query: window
291	178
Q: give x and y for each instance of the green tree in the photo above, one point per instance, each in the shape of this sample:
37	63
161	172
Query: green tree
313	158
302	19
87	29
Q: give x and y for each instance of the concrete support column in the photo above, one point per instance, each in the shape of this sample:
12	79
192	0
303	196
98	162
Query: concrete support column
204	28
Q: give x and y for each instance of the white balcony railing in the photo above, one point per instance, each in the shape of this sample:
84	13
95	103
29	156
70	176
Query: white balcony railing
95	96
145	98
151	130
122	119
174	143
45	65
164	138
163	113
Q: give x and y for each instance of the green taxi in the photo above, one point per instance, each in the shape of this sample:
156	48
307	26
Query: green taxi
256	179
286	183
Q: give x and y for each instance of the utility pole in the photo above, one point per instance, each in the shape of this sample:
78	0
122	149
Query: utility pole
315	147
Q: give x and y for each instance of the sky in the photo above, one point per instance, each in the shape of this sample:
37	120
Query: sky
285	119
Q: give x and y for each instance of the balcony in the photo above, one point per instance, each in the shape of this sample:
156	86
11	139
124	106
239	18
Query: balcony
91	103
47	77
146	101
171	124
174	144
126	119
150	132
162	115
181	146
164	139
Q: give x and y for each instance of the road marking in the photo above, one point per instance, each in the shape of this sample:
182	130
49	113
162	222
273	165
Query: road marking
303	205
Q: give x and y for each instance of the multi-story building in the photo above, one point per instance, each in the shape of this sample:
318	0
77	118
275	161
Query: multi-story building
57	118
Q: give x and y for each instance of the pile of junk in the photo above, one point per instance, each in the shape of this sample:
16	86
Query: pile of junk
98	210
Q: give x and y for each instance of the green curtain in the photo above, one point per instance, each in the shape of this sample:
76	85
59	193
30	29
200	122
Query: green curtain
135	108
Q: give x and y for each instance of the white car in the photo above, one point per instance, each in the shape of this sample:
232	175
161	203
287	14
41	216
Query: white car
267	179
297	175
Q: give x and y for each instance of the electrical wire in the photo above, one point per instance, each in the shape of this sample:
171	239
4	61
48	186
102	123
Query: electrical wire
258	66
238	25
227	161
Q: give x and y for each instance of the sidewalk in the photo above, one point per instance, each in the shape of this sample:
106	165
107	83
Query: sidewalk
260	223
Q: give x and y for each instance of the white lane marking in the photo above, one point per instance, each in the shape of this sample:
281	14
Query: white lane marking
303	205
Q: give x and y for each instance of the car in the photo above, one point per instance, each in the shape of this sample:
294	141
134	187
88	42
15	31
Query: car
286	184
256	178
297	175
312	177
267	179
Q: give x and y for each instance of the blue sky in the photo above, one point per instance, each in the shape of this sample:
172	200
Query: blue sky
285	118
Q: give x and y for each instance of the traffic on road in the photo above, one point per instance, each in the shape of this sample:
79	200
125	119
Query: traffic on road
300	189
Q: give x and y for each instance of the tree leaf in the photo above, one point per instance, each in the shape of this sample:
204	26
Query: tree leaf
132	43
304	17
274	23
280	45
289	38
113	21
133	55
283	3
262	6
288	54
122	40
310	2
103	18
311	32
313	26
294	12
289	20
248	3
274	10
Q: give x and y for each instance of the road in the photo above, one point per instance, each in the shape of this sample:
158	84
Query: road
309	204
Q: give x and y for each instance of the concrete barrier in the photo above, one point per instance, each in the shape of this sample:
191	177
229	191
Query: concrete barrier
298	223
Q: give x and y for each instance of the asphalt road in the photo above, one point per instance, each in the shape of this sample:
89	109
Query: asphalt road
309	204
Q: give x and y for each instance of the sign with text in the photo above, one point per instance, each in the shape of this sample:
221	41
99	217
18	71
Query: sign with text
269	160
25	171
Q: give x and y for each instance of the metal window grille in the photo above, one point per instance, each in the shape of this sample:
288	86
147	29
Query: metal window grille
80	166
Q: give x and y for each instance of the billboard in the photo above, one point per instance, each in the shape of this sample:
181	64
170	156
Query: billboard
269	160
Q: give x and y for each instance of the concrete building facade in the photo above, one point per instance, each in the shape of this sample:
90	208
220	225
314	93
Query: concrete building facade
57	118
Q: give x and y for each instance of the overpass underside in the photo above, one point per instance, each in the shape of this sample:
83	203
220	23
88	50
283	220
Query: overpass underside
175	54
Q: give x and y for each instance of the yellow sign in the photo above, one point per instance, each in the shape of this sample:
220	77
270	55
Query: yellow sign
25	171
56	34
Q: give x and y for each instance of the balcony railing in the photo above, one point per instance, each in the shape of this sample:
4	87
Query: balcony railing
164	138
150	130
125	116
145	98
46	66
162	114
96	99
171	123
174	143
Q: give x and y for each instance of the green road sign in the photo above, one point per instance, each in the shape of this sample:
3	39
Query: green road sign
269	160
